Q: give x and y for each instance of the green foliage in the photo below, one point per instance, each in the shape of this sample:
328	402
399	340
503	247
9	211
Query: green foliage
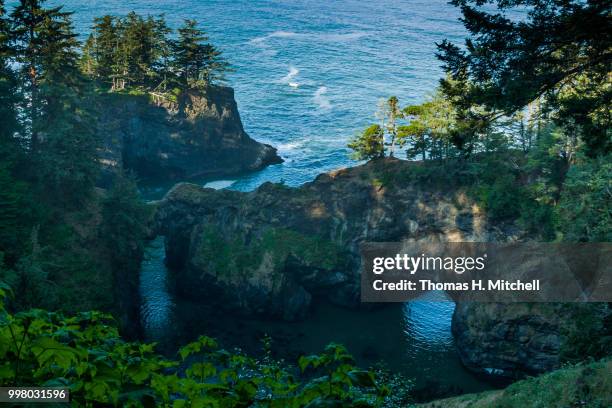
9	90
128	51
582	385
136	52
15	207
52	230
198	62
85	354
369	144
585	209
392	111
228	257
125	218
557	54
225	257
502	198
428	132
373	141
56	116
589	335
315	251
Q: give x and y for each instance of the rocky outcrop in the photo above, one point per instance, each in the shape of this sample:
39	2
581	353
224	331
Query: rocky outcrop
507	339
272	250
194	134
520	339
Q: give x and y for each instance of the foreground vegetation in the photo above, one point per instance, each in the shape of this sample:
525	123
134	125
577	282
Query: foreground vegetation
583	385
84	353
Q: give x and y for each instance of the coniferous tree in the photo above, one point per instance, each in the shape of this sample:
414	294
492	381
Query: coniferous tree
394	113
430	127
197	62
216	65
124	229
161	52
133	51
14	208
190	53
87	61
9	91
557	51
17	207
370	144
104	43
62	142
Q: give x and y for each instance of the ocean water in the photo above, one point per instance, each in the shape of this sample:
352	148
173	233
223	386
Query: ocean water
308	76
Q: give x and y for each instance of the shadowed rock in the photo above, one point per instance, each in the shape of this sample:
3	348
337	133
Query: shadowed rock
272	250
194	134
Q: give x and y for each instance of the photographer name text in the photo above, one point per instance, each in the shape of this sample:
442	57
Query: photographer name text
474	285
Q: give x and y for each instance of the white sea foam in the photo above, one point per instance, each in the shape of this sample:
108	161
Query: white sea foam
327	37
219	184
321	99
341	37
288	79
290	146
275	34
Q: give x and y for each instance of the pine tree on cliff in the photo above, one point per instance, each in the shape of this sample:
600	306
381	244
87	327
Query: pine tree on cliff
370	144
129	51
136	49
161	49
197	62
102	46
555	51
429	127
57	118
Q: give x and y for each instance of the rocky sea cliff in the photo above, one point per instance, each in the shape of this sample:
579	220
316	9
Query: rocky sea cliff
177	137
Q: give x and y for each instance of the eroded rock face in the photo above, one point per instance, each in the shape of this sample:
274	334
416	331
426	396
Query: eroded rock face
196	134
519	339
272	250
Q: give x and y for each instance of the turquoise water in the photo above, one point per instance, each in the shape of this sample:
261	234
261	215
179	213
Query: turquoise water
308	75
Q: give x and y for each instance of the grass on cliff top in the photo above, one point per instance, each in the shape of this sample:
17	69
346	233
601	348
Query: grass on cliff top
585	385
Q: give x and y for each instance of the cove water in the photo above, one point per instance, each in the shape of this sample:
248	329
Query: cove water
308	75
